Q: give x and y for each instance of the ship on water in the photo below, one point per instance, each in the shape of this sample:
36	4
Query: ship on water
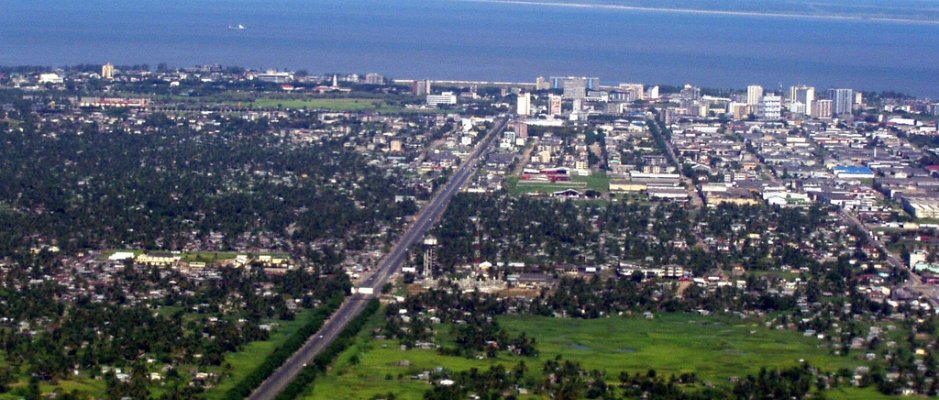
238	27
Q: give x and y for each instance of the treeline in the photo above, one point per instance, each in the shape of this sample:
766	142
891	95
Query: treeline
567	380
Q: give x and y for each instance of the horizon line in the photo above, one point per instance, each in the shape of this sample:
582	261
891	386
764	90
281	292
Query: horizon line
623	7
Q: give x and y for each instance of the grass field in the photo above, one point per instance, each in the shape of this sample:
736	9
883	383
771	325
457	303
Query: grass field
597	181
716	348
82	384
343	104
332	104
852	393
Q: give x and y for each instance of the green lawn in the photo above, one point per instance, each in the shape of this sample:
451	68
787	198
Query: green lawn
853	393
716	348
339	104
332	104
246	360
82	384
210	256
597	181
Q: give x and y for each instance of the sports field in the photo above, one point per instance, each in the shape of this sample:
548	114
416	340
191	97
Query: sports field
597	181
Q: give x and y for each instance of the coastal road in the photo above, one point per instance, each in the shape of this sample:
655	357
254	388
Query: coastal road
386	268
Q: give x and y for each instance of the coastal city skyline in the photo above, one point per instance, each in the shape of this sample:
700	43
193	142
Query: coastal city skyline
425	39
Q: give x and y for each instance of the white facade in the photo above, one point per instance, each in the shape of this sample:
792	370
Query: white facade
443	98
801	99
50	78
771	107
523	104
754	95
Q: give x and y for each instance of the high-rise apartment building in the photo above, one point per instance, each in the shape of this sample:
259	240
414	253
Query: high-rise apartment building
523	104
554	104
689	92
822	109
421	88
842	101
771	107
801	99
575	87
754	95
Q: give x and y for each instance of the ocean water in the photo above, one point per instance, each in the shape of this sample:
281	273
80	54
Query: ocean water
445	39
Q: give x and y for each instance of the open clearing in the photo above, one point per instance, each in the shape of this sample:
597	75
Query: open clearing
716	348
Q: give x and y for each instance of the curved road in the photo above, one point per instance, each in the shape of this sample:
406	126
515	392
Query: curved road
387	267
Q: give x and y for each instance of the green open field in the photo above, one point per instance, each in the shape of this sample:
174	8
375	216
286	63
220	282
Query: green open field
716	348
852	393
597	181
83	385
339	104
331	104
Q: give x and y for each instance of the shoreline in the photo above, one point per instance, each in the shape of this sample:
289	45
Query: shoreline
618	7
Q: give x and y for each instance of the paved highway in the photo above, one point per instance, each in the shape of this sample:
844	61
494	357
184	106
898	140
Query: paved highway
386	268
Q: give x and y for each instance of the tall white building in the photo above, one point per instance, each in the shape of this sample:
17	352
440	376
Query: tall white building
771	107
842	100
801	99
523	104
754	95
